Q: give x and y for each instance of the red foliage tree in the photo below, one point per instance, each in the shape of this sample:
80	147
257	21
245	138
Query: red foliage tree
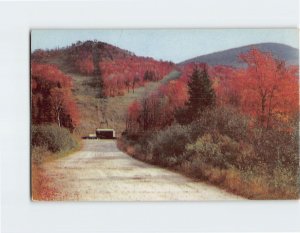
266	88
133	116
270	87
157	110
128	73
227	85
52	100
85	66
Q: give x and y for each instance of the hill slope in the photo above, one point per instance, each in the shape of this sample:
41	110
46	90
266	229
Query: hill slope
230	57
118	67
84	49
81	57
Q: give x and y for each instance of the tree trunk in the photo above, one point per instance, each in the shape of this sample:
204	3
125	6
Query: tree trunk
263	107
58	118
270	109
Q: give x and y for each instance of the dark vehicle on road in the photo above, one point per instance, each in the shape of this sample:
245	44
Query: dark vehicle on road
105	134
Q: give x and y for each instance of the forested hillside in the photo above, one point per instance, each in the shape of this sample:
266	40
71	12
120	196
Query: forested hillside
96	72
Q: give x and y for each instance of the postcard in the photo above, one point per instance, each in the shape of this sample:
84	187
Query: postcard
164	114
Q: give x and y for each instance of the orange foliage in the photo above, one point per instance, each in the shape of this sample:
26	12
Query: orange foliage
129	73
157	110
133	115
41	188
85	66
52	99
266	89
270	88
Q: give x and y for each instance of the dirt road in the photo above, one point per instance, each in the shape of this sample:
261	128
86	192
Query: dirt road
101	172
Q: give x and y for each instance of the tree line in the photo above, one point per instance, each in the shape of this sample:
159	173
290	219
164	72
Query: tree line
266	89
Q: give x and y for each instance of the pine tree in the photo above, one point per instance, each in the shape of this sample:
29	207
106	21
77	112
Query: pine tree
201	92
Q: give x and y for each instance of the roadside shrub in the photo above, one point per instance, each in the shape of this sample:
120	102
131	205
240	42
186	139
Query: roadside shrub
231	123
206	151
283	177
53	138
167	145
233	180
225	120
276	148
38	153
220	151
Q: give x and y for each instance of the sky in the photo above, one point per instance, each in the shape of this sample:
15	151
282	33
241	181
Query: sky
167	44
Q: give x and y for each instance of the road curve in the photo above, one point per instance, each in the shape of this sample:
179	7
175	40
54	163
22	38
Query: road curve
101	172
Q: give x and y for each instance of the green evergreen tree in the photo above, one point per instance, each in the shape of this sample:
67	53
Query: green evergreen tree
201	92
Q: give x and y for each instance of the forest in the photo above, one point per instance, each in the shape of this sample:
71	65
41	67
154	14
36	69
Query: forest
234	127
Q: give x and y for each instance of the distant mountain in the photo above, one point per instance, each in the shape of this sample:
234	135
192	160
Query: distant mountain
230	57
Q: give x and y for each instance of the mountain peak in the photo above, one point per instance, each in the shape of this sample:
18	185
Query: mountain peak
229	57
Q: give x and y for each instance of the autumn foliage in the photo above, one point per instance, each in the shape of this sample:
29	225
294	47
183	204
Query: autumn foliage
85	66
124	75
245	142
121	71
240	130
266	88
157	109
52	100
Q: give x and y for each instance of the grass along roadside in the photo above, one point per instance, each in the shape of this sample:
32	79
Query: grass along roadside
45	148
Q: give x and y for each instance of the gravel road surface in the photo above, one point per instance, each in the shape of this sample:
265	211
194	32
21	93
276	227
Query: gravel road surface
101	172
